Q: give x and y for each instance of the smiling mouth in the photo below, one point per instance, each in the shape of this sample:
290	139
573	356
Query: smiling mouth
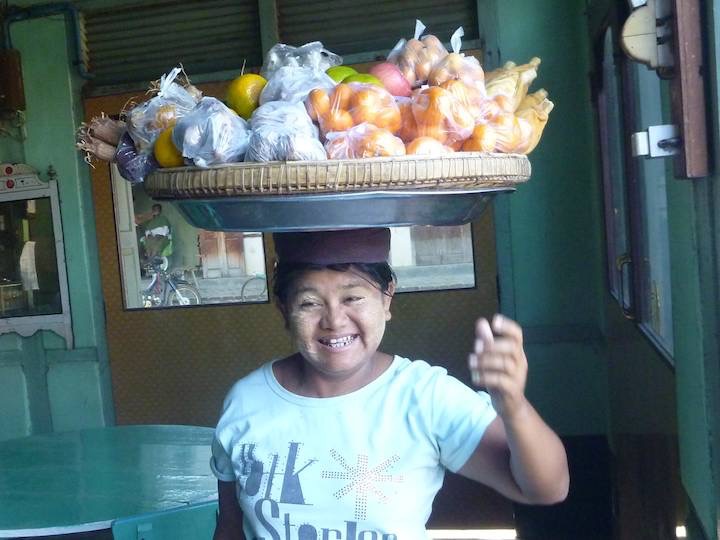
339	342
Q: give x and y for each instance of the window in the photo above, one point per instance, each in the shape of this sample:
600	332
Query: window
630	99
166	262
33	282
432	258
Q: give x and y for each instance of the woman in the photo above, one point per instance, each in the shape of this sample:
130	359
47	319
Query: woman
343	441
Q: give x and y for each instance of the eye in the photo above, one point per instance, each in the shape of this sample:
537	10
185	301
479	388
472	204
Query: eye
308	304
353	299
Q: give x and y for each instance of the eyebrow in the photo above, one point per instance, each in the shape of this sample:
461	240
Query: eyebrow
347	286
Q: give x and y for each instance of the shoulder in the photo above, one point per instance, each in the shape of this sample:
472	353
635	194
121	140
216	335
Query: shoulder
433	384
417	371
248	386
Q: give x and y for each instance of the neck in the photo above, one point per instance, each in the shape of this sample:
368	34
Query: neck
299	377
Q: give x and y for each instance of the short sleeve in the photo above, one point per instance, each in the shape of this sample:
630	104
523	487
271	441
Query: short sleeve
460	417
220	462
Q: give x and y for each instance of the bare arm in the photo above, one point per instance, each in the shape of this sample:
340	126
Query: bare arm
519	455
230	519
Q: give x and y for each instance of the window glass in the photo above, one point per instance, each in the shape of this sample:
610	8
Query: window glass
432	258
166	262
29	281
654	265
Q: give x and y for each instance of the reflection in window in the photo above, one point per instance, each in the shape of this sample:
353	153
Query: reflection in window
166	262
29	281
432	258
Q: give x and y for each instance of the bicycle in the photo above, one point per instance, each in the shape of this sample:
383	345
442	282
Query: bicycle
167	288
254	289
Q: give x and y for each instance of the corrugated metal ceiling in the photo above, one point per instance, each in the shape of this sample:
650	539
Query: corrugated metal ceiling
141	42
349	26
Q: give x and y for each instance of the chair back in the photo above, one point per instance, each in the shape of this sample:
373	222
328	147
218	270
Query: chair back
191	522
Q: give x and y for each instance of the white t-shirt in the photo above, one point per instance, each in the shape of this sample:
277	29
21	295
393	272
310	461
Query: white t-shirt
361	466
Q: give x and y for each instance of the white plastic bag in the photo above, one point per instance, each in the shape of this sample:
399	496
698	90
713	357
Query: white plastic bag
293	84
283	132
211	134
313	55
147	120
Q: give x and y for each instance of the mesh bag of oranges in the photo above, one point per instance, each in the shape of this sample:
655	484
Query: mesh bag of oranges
352	104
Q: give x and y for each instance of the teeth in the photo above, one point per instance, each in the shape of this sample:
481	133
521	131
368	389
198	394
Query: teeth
339	342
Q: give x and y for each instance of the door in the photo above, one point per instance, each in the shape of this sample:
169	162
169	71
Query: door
128	251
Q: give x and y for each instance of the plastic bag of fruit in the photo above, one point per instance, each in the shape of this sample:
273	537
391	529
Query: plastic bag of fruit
172	101
293	84
416	57
352	104
211	134
313	55
439	114
283	132
363	141
134	166
457	66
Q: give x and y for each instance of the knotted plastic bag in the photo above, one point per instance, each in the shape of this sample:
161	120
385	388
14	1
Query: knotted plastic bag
283	132
312	55
293	84
211	134
147	120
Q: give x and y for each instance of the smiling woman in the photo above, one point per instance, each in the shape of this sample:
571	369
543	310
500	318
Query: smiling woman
343	440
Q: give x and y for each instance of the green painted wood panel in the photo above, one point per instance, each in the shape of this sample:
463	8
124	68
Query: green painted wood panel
15	417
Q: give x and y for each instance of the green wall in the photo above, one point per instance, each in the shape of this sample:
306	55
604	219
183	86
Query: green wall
58	388
548	235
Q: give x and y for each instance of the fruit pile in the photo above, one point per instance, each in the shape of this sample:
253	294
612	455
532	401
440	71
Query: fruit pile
305	104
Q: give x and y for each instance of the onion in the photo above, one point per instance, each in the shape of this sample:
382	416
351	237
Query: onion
392	78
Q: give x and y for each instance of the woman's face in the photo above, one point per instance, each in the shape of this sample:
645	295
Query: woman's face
337	320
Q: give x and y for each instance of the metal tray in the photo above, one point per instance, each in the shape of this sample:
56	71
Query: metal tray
307	212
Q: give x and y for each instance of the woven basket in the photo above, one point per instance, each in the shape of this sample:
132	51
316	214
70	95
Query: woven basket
460	170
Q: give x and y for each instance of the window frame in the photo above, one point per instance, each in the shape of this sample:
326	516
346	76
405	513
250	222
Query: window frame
637	281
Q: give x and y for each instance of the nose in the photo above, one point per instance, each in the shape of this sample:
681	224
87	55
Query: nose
333	317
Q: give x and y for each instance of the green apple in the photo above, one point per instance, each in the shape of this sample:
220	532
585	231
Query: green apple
364	78
338	73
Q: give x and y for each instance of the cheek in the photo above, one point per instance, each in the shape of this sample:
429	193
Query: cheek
300	326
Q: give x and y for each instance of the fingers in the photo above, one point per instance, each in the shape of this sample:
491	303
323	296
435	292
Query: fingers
498	359
505	327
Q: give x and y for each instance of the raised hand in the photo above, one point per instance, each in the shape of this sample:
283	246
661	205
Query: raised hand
498	364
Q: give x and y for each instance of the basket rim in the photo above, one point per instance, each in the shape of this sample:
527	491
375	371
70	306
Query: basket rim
457	170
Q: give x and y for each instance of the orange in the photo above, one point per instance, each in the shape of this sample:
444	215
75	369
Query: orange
483	139
318	103
336	120
166	154
341	97
243	94
426	146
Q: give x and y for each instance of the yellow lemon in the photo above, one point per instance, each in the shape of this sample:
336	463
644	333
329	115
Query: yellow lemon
166	153
244	92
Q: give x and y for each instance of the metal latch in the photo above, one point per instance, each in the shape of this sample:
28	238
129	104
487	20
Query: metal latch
657	141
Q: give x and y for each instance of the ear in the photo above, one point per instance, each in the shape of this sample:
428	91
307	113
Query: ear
387	300
284	312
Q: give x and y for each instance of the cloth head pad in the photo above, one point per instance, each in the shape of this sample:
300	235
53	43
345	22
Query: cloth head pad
371	245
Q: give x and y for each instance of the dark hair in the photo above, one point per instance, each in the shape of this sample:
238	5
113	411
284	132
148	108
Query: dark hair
158	206
284	275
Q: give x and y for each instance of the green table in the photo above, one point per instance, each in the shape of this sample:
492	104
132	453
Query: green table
80	481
